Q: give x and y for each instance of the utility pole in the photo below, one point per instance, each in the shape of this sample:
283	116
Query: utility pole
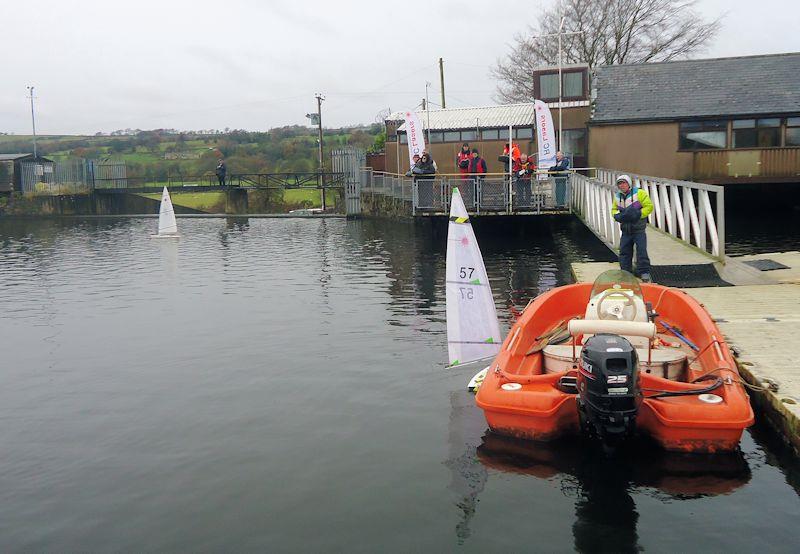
441	80
33	123
320	98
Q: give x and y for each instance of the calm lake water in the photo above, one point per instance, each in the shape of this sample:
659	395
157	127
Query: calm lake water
278	385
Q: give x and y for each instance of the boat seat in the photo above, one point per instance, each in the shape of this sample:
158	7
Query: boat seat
669	363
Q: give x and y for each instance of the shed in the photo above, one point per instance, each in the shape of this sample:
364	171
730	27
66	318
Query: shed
11	169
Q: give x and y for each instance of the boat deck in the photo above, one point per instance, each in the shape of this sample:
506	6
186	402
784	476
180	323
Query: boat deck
760	322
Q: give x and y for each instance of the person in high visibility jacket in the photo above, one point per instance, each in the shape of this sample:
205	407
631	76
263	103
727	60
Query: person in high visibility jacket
630	209
515	155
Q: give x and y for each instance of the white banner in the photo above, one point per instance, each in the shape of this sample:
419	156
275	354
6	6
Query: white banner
545	136
415	136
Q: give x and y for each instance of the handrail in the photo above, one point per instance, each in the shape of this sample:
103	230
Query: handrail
693	213
503	174
594	326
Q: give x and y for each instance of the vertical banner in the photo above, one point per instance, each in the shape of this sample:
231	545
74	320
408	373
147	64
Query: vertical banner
415	136
545	137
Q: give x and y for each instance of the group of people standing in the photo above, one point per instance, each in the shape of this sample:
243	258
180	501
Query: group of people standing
631	206
468	163
472	168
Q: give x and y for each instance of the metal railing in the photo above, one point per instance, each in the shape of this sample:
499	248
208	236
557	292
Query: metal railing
493	193
690	212
746	163
349	161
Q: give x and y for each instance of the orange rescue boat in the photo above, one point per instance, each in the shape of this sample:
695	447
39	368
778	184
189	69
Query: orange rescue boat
614	359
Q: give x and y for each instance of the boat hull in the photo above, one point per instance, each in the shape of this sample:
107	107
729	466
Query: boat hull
535	407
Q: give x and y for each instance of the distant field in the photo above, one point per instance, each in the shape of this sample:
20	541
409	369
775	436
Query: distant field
201	201
215	201
297	196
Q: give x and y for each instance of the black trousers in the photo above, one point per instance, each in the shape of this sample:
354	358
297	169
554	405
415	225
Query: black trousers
626	245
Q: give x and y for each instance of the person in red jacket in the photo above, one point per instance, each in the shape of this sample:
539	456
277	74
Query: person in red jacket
462	161
477	165
522	177
515	155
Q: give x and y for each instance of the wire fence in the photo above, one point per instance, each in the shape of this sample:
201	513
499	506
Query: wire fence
77	176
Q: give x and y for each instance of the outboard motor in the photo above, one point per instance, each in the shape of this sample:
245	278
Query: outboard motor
608	387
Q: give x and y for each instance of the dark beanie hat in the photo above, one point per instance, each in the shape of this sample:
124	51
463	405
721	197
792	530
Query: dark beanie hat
474	150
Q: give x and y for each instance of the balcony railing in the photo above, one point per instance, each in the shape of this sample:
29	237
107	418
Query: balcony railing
746	164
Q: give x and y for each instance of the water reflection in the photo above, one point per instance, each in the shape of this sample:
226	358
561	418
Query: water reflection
605	512
601	486
524	257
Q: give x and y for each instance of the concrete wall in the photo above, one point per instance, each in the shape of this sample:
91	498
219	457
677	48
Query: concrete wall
377	205
647	149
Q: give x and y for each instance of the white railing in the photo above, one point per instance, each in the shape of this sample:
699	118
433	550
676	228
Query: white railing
691	212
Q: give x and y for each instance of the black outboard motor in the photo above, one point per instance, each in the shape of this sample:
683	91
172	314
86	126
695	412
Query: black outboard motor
608	387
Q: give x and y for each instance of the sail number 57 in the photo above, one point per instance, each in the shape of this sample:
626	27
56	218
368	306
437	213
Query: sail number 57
466	272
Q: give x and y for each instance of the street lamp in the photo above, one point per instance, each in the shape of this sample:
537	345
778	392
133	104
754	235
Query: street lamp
33	123
428	111
316	119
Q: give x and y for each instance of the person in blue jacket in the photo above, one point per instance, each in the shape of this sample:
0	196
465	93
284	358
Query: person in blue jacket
630	209
561	172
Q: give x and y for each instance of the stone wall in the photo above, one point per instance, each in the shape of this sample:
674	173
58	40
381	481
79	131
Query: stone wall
378	205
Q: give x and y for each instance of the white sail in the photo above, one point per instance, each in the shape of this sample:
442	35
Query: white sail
166	216
473	332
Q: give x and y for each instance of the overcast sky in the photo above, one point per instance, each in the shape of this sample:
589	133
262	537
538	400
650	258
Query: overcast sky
101	66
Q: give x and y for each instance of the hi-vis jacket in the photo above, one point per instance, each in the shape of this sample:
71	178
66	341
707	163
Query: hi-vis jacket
637	199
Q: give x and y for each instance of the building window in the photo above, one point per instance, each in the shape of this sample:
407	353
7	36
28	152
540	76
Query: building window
403	138
489	134
744	133
469	135
574	142
523	133
573	84
756	133
769	132
703	135
437	136
452	136
792	131
548	85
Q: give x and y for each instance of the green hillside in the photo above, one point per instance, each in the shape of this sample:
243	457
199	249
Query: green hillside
159	154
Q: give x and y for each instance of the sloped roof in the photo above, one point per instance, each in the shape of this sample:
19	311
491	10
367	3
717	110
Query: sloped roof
751	85
468	118
11	157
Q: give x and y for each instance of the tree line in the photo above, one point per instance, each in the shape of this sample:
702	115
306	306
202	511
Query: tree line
146	153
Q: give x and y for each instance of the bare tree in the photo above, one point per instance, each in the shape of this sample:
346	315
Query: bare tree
381	116
610	32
